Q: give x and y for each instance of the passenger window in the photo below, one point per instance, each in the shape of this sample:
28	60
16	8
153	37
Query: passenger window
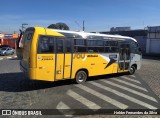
29	36
68	45
79	42
79	45
111	46
99	43
59	45
111	43
135	48
95	45
46	44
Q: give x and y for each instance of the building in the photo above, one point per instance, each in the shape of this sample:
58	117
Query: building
1	37
120	29
153	40
8	39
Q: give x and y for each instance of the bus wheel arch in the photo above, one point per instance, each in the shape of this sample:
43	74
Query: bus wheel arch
132	69
81	76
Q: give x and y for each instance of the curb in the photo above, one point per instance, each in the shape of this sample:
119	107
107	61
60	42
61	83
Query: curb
12	57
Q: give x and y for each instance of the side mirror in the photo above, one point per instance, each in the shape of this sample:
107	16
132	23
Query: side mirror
18	41
19	49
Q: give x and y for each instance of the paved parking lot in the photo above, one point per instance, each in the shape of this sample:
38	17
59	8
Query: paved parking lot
150	73
139	91
8	57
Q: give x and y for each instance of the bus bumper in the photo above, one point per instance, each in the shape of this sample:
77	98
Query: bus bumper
24	70
29	73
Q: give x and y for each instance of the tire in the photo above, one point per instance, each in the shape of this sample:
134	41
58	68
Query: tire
132	70
81	77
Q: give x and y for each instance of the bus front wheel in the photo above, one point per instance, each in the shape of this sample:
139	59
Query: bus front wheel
132	70
81	77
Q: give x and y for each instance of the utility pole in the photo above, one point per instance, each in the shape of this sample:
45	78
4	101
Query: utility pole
83	26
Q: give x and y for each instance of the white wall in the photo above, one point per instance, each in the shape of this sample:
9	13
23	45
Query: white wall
153	46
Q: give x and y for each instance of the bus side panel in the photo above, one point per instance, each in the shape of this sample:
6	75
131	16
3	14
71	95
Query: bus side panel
115	68
33	53
32	73
110	61
45	67
96	64
34	44
79	62
136	59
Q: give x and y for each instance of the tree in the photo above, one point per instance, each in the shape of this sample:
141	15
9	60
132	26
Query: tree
53	26
61	26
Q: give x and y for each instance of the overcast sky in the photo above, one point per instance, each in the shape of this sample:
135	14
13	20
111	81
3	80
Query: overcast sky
99	15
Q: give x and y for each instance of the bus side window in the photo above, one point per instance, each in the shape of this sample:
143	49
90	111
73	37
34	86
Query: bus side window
111	46
29	36
95	45
68	48
135	48
79	45
59	45
46	44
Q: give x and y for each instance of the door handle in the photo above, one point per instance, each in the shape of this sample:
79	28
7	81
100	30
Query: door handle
93	64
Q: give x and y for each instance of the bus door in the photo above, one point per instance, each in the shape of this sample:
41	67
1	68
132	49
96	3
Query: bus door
124	56
63	60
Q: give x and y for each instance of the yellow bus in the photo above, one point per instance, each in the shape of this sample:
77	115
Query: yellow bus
52	55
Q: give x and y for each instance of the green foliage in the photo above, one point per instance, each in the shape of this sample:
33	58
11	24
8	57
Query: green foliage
61	26
53	26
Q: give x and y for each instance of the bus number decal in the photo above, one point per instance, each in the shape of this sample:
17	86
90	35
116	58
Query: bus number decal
79	56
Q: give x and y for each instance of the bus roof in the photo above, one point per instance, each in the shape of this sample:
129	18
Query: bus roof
86	34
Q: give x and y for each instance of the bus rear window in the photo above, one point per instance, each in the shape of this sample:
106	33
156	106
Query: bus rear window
46	44
29	36
26	39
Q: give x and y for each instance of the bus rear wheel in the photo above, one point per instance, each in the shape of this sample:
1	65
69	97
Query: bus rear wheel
81	77
132	70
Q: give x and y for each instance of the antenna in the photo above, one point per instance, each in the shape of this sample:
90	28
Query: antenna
83	26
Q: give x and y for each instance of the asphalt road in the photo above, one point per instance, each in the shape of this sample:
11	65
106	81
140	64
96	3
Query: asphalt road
122	91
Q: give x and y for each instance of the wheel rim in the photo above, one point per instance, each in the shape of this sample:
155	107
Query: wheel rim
131	70
81	77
